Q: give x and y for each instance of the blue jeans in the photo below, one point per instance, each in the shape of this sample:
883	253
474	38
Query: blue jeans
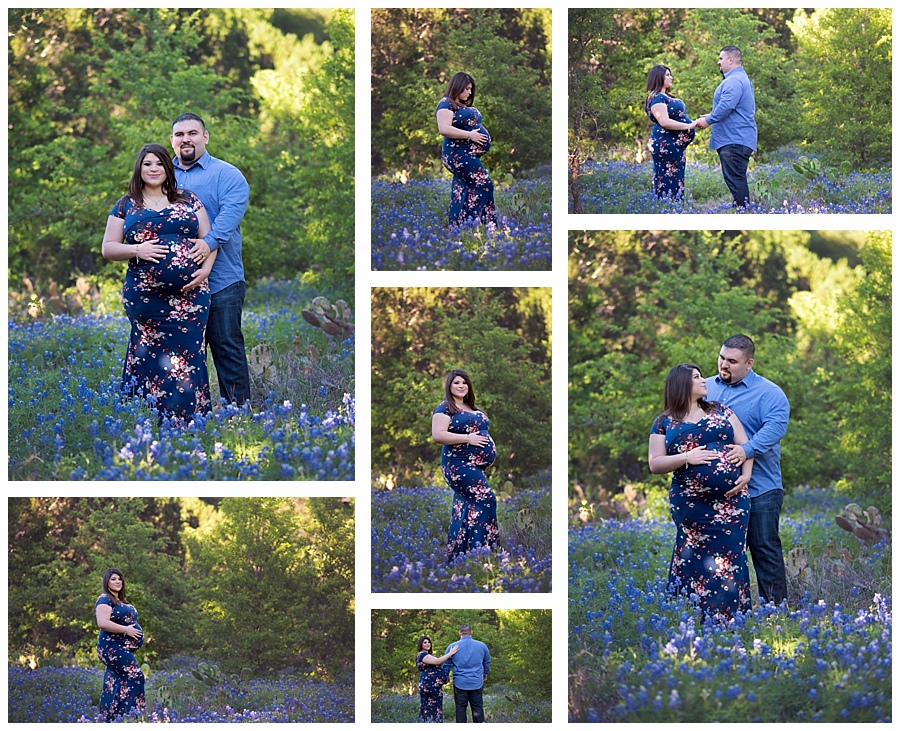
765	546
474	697
226	341
734	159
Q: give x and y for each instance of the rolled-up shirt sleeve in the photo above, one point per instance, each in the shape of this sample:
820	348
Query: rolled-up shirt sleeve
234	196
728	101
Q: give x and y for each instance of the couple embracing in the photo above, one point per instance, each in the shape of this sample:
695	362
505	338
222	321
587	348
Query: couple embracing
470	661
732	121
178	227
720	437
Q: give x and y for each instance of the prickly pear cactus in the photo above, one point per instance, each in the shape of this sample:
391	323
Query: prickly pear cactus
864	524
335	318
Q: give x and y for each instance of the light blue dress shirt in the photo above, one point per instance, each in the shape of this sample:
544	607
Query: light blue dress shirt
471	664
224	192
764	411
733	117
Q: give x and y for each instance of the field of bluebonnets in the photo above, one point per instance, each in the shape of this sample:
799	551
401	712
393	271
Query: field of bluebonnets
409	541
637	653
410	228
176	695
68	419
618	186
502	704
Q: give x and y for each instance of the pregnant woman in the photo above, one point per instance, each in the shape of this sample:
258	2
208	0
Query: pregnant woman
120	636
432	678
166	295
465	141
708	498
672	132
468	449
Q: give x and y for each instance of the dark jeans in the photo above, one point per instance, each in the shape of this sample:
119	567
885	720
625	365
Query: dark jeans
734	159
226	341
474	697
765	546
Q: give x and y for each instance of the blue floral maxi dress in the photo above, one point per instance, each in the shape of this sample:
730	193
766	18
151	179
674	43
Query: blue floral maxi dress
472	190
473	520
668	146
123	683
166	358
709	558
431	694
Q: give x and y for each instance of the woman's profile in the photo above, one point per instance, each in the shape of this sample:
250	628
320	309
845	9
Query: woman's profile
432	678
467	450
120	636
708	497
465	141
672	132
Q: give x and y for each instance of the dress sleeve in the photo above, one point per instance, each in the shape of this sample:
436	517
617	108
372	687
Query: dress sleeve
121	208
102	599
193	201
658	99
659	425
419	664
442	409
443	104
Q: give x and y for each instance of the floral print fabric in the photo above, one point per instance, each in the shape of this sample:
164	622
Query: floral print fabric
473	521
709	559
166	358
472	190
668	146
431	695
123	683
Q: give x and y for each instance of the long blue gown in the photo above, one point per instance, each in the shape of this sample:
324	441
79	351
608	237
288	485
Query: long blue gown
166	357
472	190
431	695
709	559
473	520
668	148
123	683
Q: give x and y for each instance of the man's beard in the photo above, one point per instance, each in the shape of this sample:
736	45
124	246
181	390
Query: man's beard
187	155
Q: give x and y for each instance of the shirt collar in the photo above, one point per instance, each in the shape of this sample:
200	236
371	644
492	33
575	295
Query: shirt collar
736	68
202	162
743	382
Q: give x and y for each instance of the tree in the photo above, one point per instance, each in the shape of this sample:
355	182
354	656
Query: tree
500	337
844	57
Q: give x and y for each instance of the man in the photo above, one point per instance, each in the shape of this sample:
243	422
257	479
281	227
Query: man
764	410
224	192
733	121
470	666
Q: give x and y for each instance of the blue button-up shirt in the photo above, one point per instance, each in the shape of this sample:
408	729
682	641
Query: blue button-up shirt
733	117
471	664
764	411
224	192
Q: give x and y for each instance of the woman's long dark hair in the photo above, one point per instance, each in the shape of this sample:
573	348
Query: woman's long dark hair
679	384
169	186
421	640
468	399
655	79
112	597
458	83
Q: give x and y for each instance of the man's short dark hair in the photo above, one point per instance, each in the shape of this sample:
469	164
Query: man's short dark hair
742	343
465	629
190	117
733	51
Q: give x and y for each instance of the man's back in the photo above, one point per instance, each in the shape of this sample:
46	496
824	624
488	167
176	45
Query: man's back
470	664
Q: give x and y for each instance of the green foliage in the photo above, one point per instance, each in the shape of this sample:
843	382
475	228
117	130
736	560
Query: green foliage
89	87
419	335
519	642
844	85
414	54
634	312
267	598
59	549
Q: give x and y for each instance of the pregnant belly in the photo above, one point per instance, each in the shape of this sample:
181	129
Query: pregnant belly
712	480
168	275
134	643
479	150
